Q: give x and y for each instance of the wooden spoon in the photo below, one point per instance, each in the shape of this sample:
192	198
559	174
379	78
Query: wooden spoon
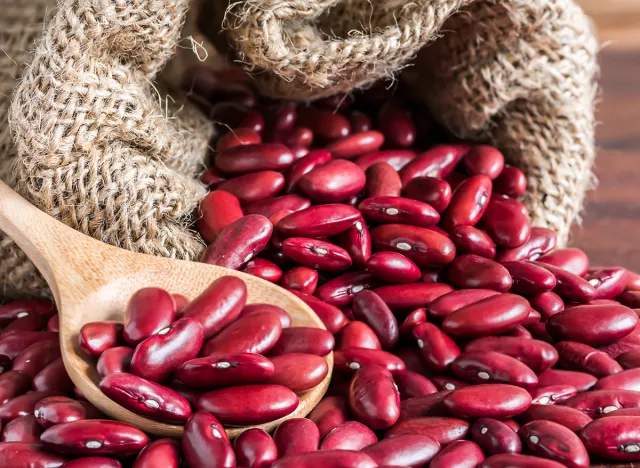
93	281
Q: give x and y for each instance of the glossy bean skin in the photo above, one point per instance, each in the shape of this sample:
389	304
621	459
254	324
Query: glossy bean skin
350	360
373	397
437	348
569	286
341	458
468	203
529	279
19	454
333	182
461	454
624	380
296	435
53	325
325	124
356	240
382	181
329	413
217	210
307	340
205	442
495	437
94	437
454	300
319	221
609	283
470	240
430	190
541	241
443	430
406	450
493	367
396	158
399	210
316	254
551	440
613	438
303	279
297	371
411	384
257	186
415	317
53	378
507	222
225	370
356	334
248	404
23	429
448	383
239	242
254	448
28	323
270	206
552	394
511	182
241	136
17	309
212	178
396	124
341	290
437	162
161	452
332	317
498	401
408	297
484	159
595	325
12	384
570	418
507	460
264	269
392	267
161	354
572	260
629	360
218	305
350	435
356	144
251	158
96	337
35	358
580	380
149	310
581	357
59	410
547	304
537	355
426	405
597	403
305	165
372	310
474	272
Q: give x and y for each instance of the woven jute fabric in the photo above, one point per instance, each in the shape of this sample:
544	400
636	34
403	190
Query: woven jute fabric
519	74
96	141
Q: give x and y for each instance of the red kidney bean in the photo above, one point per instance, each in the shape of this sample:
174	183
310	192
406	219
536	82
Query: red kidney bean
356	144
426	405
530	279
485	160
495	437
452	301
255	448
297	435
21	405
149	310
225	370
255	333
547	304
308	340
356	240
613	438
407	297
264	269
329	413
433	275
470	240
28	323
357	334
392	267
633	281
12	344
161	452
569	417
299	372
399	210
340	290
414	318
430	190
319	221
507	222
537	355
597	403
406	450
59	410
342	458
282	117
580	380
498	401
305	165
448	383
631	342
520	331
490	316
94	437
396	158
609	283
252	158
593	324
507	460
552	394
316	254
12	384
581	357
629	360
625	380
297	137
53	325
218	305
300	278
493	367
511	182
146	398
212	178
624	412
360	122
250	188
461	454
396	124
205	442
239	242
411	384
53	378
551	440
468	203
326	124
161	354
23	429
382	181
350	435
332	182
437	348
572	260
18	454
475	272
270	206
373	397
96	337
239	137
351	359
36	357
541	241
217	210
443	430
249	404
437	162
18	309
331	316
371	309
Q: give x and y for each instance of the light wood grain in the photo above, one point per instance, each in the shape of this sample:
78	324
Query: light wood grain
93	281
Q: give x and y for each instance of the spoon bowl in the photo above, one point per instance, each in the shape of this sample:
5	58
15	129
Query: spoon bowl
93	281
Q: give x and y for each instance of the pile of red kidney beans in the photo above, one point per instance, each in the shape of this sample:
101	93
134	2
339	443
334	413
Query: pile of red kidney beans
461	335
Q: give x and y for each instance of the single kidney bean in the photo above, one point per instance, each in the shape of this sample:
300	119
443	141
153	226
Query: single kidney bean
415	317
53	378
18	454
495	437
28	323
239	242
35	358
490	316
411	384
507	222
511	182
217	210
254	448
58	410
552	394
342	458
319	221
299	372
399	210
572	260
297	435
332	182
356	334
12	384
568	417
356	144
461	454
96	337
350	435
470	240
493	367
329	413
600	402
548	304
308	340
205	442
593	324
281	117
305	165
551	440
297	137
53	325
218	305
317	254
581	357
475	272
392	267
149	310
382	181
159	355
300	278
454	300
225	370
161	452
356	240
373	397
443	430
541	241
407	297
468	203
580	380
18	309
252	158
483	159
270	206
256	333
23	429
360	122
325	124
536	354
433	191
331	316
249	404
507	460
250	188
396	158
498	401
264	269
613	438
437	348
94	437
530	279
241	136
341	290
448	383
371	309
405	450
625	380
426	405
396	124
609	283
212	178
250	309
351	359
629	360
437	162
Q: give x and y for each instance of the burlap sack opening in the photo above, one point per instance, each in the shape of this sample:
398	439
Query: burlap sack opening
97	143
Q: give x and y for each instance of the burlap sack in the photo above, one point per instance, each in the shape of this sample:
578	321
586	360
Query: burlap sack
99	146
